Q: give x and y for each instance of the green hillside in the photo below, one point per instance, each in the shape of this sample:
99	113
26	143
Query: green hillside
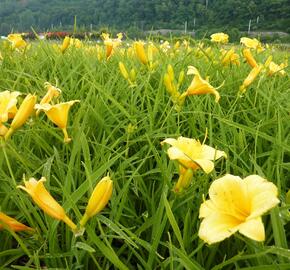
20	15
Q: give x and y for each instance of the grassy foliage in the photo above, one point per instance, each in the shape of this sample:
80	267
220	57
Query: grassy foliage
146	225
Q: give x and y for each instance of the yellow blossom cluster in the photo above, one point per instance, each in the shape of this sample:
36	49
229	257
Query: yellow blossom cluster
235	204
13	117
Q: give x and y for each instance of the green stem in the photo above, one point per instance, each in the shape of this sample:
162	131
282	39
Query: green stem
9	166
84	220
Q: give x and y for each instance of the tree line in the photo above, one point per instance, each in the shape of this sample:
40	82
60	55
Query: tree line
43	15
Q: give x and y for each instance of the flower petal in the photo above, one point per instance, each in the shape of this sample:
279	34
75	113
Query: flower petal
217	227
206	165
176	153
263	195
229	196
211	153
207	208
254	229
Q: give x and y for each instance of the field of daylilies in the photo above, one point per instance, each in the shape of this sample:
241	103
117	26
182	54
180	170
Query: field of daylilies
125	154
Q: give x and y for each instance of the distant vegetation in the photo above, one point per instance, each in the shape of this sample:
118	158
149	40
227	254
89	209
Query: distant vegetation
20	15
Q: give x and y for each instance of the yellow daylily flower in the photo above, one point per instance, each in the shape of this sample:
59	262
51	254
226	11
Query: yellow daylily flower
17	41
12	224
25	110
190	153
249	57
52	91
200	86
58	114
98	200
220	38
8	101
165	46
111	44
45	201
251	77
273	69
230	57
252	43
75	42
236	204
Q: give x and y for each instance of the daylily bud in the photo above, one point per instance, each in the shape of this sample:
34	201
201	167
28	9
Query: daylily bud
65	44
133	75
123	70
180	78
268	61
45	201
140	52
25	110
168	84
109	48
99	199
184	181
250	78
249	57
170	72
12	223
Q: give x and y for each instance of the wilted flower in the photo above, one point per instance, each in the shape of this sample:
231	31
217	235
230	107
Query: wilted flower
190	153
236	204
45	201
220	38
12	224
25	110
98	200
58	114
